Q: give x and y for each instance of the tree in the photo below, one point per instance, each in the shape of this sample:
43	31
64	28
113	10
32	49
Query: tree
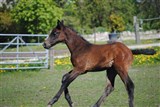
6	5
116	23
98	13
36	16
122	11
148	9
6	21
93	14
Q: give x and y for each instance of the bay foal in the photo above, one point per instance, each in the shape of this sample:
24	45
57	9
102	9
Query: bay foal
115	58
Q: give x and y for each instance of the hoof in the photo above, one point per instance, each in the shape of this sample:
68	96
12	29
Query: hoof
72	105
95	105
49	106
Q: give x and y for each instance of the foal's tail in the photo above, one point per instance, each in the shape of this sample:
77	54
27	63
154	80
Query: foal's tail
144	51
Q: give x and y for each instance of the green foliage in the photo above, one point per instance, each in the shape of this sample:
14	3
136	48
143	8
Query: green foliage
5	21
92	14
149	9
120	15
36	16
39	16
96	13
117	23
70	14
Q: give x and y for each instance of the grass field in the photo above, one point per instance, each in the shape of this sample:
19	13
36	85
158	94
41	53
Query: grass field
36	88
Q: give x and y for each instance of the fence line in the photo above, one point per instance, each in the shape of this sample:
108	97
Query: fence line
143	46
126	35
40	59
19	59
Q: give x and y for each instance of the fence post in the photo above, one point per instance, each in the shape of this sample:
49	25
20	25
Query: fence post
17	50
136	29
94	32
51	59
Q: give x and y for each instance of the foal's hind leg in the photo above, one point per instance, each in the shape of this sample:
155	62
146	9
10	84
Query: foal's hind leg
68	97
111	74
129	86
130	90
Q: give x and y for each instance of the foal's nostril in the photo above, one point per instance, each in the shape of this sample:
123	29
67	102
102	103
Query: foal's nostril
44	44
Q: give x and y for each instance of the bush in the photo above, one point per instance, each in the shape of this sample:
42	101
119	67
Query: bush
36	16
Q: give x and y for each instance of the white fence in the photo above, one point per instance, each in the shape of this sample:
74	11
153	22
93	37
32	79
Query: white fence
126	35
25	55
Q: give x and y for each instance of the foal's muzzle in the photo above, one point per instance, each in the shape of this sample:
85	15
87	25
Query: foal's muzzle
46	46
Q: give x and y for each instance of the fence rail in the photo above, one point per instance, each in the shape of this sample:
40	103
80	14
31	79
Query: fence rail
26	59
126	35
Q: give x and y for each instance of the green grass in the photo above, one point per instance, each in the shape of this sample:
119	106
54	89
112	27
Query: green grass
36	88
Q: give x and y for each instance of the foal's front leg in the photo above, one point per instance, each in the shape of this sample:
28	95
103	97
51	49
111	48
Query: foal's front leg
66	91
66	80
111	74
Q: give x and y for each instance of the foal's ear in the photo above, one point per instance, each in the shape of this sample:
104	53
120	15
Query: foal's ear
60	24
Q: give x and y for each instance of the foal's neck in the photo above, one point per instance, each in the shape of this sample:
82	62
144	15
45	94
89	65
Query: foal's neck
74	42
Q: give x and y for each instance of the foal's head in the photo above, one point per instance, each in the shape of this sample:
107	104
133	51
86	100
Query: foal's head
57	35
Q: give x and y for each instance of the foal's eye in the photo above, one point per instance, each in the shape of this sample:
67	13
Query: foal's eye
55	33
